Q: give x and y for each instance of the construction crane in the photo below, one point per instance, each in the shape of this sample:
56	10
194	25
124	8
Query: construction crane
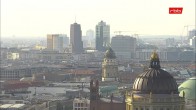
187	28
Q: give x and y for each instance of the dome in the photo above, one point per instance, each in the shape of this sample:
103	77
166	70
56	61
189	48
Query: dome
189	88
110	54
155	80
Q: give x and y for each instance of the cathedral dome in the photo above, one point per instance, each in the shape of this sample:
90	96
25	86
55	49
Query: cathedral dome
110	54
155	80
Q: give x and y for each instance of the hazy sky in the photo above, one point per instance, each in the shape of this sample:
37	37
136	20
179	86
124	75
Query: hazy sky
41	17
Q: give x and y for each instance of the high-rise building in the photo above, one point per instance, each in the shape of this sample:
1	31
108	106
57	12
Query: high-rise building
124	46
76	38
65	40
102	36
90	38
55	42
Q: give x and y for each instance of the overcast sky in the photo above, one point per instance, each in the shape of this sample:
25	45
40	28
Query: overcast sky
23	18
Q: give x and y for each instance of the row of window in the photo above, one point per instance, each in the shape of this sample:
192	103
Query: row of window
80	104
156	108
80	109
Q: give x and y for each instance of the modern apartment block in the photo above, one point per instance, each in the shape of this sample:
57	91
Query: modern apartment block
55	42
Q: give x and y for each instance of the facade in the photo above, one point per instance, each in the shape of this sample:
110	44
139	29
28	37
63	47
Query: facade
124	46
17	73
81	104
12	56
102	36
144	54
9	74
109	66
76	38
55	42
90	38
53	56
155	89
65	40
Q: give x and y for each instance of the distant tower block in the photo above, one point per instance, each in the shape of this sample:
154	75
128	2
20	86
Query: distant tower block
109	66
102	36
76	38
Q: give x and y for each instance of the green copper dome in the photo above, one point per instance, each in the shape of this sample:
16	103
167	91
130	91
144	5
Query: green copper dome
110	54
189	88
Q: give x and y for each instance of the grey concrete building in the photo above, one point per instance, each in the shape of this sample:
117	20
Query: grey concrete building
76	38
124	46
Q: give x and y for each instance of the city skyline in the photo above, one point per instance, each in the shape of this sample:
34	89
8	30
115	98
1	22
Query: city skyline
21	18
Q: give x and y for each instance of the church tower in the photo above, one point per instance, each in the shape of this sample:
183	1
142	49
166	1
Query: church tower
110	66
94	95
94	90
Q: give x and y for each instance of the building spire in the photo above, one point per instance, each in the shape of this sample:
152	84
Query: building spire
154	61
75	19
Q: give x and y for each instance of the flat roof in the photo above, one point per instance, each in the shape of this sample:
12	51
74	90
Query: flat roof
12	105
5	105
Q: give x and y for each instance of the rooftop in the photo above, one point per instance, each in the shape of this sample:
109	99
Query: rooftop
12	106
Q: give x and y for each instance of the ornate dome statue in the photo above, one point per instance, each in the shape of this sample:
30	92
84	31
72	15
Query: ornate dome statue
110	54
155	80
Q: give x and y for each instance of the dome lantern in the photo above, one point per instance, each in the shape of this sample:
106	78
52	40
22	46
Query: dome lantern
154	61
